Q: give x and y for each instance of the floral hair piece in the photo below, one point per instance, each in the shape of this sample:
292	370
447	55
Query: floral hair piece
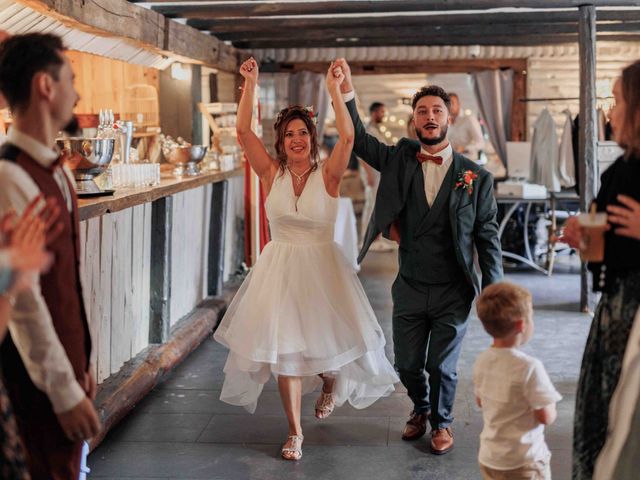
286	111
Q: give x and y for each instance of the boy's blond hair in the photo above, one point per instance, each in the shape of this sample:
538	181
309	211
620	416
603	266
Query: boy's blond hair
501	305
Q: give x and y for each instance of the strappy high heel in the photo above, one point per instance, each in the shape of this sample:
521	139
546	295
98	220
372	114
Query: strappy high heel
294	452
325	405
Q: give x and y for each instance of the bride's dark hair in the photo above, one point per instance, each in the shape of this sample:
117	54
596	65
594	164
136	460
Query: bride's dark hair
282	121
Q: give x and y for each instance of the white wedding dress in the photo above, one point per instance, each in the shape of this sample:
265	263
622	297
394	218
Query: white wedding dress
302	311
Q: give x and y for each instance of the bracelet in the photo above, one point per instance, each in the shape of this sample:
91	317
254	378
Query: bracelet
9	297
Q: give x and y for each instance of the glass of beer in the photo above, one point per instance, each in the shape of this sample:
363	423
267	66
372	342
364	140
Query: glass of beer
592	226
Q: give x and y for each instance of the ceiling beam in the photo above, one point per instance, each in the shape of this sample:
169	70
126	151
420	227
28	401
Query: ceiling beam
207	21
269	8
384	67
430	31
438	40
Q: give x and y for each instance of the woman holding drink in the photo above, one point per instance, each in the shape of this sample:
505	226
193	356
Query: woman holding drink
612	248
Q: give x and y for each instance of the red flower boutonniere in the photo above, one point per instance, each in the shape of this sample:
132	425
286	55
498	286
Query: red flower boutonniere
465	180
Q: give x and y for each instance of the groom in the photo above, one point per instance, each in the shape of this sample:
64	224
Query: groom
439	206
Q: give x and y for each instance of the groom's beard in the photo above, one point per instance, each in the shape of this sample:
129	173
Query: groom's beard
72	127
432	141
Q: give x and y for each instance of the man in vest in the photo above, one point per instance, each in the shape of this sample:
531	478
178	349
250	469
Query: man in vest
46	356
439	206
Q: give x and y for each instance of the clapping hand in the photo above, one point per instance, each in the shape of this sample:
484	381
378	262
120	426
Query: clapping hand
335	76
28	236
249	70
628	217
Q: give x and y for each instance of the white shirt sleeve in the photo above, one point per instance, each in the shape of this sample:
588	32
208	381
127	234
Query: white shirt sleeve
347	97
31	326
538	389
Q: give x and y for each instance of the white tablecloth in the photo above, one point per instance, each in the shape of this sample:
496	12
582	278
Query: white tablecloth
346	234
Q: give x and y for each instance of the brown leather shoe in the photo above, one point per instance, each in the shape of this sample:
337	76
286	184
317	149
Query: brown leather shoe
416	426
441	441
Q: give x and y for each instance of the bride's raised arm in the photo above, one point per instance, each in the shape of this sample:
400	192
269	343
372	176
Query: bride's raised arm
337	162
258	157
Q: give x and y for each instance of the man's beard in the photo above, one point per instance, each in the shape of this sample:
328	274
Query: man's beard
432	141
72	127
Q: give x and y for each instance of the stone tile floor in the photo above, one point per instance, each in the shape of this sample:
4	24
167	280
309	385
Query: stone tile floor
182	431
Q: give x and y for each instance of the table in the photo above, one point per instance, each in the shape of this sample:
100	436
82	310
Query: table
346	233
553	199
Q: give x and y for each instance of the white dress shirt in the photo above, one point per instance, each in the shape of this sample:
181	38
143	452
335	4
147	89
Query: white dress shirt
434	174
30	325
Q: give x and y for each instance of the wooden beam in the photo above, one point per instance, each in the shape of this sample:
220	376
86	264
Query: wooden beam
160	276
260	8
409	66
203	19
587	129
408	33
217	222
139	26
442	40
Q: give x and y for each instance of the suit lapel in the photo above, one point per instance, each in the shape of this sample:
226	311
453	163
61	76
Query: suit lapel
456	195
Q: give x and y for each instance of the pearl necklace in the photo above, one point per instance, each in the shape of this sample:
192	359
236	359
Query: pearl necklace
300	177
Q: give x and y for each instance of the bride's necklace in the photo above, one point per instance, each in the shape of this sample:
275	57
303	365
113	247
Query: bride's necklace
300	177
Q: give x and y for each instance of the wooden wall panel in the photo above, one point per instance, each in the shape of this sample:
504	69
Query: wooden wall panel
101	81
190	233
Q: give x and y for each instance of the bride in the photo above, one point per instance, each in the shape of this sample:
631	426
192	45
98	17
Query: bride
301	314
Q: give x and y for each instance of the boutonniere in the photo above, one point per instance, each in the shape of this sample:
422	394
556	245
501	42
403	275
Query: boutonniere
465	180
313	115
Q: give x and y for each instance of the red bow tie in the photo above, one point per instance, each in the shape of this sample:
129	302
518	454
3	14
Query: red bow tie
428	158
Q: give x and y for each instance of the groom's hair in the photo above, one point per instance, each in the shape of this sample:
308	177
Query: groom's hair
501	305
431	91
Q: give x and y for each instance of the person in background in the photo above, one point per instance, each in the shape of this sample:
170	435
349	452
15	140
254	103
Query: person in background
465	133
22	253
513	389
617	277
50	380
371	178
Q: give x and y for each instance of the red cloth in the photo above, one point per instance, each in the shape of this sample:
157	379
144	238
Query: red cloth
263	230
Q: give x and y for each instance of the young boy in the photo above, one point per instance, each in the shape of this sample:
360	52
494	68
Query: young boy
513	390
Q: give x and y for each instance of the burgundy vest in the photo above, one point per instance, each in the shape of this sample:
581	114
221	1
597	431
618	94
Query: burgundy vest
60	286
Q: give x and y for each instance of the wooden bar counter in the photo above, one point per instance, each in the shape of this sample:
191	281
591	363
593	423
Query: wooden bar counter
154	261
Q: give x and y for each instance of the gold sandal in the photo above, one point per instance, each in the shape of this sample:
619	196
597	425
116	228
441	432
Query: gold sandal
325	405
294	452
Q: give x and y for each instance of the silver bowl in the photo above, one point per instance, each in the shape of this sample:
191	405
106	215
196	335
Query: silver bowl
87	158
185	158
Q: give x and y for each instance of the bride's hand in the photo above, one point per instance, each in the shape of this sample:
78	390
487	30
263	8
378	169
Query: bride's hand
249	70
335	76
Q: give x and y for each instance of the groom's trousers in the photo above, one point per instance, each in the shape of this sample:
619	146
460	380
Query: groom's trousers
429	322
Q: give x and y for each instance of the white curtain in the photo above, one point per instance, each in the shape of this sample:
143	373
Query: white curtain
308	89
494	93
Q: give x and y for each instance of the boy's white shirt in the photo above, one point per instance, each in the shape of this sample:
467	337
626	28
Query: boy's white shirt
511	385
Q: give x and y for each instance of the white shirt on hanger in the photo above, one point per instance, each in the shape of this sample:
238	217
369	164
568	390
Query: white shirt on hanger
544	153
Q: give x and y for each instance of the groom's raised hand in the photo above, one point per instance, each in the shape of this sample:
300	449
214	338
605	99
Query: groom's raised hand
347	85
